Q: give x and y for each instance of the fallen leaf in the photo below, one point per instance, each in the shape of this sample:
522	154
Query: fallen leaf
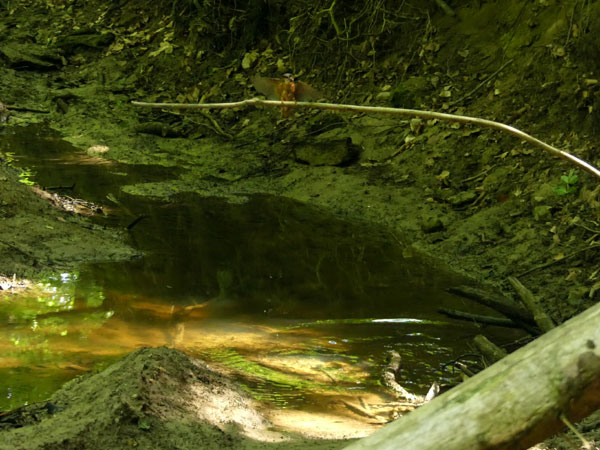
443	175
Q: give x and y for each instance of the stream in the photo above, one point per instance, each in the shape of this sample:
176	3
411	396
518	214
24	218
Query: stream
298	305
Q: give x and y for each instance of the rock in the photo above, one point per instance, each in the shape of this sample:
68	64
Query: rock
158	129
71	43
327	152
30	56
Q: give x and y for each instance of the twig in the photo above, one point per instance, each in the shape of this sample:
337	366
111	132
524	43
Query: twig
385	110
555	261
32	110
585	443
476	88
488	348
217	127
542	319
442	4
17	249
390	374
478	318
497	302
591	230
329	10
137	220
480	174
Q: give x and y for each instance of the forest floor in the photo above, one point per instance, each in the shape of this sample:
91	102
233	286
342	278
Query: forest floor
483	202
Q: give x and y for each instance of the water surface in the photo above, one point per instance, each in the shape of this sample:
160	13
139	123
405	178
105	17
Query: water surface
300	306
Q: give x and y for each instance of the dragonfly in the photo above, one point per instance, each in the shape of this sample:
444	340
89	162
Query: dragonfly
286	89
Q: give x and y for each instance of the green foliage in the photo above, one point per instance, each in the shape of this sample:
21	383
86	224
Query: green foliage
26	176
567	184
9	157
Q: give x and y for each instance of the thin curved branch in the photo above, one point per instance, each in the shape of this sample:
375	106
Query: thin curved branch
385	110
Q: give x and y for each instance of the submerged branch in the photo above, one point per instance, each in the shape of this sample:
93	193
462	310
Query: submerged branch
478	318
385	110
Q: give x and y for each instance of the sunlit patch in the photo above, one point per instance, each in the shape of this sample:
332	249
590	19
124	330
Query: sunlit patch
323	425
67	277
97	149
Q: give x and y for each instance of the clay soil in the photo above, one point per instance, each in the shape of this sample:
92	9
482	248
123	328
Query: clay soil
483	202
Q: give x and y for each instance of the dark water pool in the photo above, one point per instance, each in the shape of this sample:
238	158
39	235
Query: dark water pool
298	304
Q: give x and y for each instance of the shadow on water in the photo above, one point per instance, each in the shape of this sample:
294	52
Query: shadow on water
298	305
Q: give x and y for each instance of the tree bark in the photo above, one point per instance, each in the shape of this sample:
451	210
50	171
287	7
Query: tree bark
514	403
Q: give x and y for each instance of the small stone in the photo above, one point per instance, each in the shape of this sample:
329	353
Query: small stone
432	224
542	212
327	152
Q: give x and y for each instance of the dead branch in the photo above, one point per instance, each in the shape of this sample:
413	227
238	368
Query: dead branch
442	4
390	375
542	319
478	318
488	348
503	305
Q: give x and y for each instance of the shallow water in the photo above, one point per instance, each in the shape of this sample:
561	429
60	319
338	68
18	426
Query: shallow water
300	306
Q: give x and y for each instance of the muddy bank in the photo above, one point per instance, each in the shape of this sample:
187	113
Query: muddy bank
153	398
36	237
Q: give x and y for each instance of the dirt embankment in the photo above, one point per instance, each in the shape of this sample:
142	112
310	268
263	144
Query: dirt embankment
37	237
153	398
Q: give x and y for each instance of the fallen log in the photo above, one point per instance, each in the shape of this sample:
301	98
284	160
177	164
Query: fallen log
513	404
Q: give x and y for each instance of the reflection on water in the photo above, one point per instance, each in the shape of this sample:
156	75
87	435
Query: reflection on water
299	306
